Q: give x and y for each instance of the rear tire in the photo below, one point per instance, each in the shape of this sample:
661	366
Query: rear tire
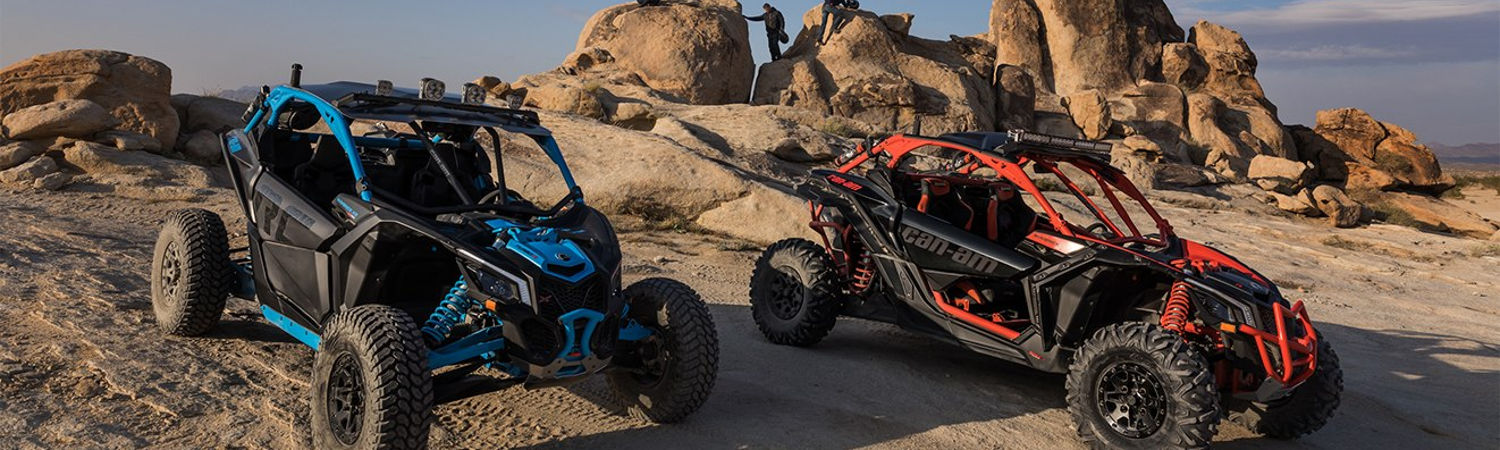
1136	385
683	352
371	385
1307	409
795	293
190	272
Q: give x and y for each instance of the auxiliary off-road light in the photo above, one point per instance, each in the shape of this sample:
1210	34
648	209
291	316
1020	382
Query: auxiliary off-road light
384	88
474	94
432	89
496	287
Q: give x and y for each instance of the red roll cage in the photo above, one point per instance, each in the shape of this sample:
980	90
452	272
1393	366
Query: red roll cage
899	148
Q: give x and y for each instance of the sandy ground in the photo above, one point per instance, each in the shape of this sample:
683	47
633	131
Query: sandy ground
82	365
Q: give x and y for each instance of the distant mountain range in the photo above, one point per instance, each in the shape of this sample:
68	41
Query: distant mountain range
1477	153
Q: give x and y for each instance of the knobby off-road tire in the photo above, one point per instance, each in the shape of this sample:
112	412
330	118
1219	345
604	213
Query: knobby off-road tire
1163	381
190	272
371	386
795	293
1307	409
683	352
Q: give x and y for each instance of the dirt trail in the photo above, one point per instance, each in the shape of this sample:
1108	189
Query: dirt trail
82	365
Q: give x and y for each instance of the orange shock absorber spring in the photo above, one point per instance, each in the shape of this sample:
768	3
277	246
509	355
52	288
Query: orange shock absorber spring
864	272
1175	315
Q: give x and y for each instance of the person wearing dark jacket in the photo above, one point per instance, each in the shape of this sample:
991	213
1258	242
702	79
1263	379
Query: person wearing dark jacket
775	29
835	15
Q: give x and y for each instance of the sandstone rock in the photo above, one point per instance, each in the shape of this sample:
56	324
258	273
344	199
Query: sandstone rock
1412	164
568	99
1015	98
1314	148
204	146
1229	136
71	118
1342	211
16	152
1439	215
1136	167
136	168
128	141
1091	113
1495	237
1231	64
29	171
1299	203
1052	117
584	59
634	116
1279	174
1351	131
1156	110
698	51
875	75
1077	45
52	181
898	23
1186	175
760	202
213	114
1348	137
133	89
1366	179
1183	66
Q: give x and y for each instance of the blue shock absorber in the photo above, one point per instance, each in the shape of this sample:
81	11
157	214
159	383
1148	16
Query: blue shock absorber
449	312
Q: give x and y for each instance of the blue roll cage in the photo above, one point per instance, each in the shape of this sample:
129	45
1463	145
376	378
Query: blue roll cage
338	125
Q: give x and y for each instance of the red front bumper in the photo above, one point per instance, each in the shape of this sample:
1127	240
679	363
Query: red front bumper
1298	355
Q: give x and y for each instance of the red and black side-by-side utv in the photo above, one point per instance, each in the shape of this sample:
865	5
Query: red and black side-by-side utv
1033	249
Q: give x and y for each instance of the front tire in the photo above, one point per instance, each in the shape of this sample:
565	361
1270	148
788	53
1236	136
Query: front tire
190	272
371	385
679	362
795	293
1135	385
1307	409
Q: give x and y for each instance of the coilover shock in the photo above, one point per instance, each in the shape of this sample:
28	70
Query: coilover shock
1174	316
455	305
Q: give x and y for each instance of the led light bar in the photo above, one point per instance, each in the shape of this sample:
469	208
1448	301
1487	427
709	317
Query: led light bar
474	94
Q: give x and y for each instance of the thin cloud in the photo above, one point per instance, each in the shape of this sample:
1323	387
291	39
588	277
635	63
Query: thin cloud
1333	12
1337	53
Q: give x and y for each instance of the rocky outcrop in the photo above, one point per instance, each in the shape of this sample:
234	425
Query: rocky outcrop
212	114
883	77
135	90
1078	45
1280	174
1342	211
1434	214
699	51
1091	113
1350	146
66	118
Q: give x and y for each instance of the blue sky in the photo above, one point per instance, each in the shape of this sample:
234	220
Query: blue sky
1430	65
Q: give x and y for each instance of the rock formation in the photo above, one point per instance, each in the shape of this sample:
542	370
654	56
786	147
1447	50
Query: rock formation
133	89
883	77
698	51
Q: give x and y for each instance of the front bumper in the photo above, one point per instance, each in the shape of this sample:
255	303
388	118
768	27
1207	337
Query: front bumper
1290	354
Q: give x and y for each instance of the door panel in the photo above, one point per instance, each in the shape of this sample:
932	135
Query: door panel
292	233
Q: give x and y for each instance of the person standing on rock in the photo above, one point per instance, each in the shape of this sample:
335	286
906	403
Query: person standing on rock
834	18
775	29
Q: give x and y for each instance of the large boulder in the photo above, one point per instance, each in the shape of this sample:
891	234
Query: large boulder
212	114
1348	144
14	153
29	171
1342	211
1091	113
133	89
1279	174
1015	98
1231	66
699	51
1155	110
884	78
1077	45
68	118
1229	136
111	166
